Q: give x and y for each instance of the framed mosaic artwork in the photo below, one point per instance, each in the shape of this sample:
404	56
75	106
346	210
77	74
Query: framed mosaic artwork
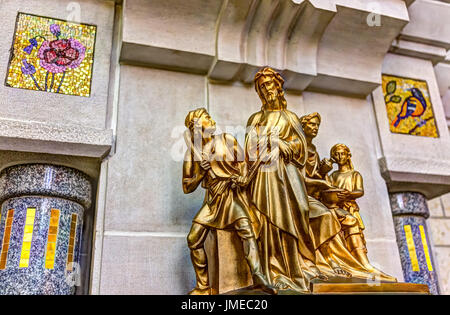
408	106
52	55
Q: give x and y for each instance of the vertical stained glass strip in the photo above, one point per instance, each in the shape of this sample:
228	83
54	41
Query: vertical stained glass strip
6	238
51	239
425	248
27	238
411	248
73	235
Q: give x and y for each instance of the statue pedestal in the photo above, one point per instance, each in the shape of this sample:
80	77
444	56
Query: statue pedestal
227	266
349	288
370	288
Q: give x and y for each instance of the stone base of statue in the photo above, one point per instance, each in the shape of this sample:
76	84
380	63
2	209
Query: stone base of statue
229	274
349	288
371	288
227	267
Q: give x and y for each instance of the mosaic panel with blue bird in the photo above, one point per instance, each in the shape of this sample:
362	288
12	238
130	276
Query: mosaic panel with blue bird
409	107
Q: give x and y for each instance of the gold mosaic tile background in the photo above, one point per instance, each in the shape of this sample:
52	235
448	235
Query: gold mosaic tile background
408	106
52	55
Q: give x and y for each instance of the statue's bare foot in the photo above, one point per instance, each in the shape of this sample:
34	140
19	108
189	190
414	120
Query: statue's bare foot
198	291
322	276
260	282
282	284
319	274
341	272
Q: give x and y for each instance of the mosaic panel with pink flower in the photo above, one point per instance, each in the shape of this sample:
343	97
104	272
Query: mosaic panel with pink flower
52	55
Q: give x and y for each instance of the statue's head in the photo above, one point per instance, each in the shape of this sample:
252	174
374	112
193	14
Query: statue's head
269	86
199	121
342	155
310	124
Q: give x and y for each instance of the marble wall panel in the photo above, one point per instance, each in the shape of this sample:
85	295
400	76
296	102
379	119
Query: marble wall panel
144	191
144	264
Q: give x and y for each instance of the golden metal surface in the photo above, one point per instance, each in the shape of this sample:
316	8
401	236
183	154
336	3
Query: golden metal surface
365	288
273	203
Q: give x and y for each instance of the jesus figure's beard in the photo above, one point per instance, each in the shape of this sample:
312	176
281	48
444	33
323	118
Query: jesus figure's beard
273	102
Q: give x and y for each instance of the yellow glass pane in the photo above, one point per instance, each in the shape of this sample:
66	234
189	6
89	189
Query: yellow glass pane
31	212
27	237
23	263
28	229
29	221
26	246
25	254
49	264
411	248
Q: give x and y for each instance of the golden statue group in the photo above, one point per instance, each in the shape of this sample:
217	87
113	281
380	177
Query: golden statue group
297	224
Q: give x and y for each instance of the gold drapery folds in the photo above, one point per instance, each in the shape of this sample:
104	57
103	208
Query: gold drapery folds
277	199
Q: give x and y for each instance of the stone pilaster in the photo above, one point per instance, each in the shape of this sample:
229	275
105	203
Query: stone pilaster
40	228
410	211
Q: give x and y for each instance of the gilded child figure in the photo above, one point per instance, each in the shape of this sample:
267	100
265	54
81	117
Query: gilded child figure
351	181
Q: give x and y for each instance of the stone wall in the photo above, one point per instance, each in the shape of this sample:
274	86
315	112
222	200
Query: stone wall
439	224
147	216
156	60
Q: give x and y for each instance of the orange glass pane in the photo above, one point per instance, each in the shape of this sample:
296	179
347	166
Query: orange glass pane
52	239
6	237
53	230
71	249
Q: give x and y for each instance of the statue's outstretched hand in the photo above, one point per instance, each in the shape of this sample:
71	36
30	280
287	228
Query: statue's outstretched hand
240	181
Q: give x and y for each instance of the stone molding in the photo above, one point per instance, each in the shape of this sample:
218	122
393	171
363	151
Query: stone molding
54	139
45	180
311	43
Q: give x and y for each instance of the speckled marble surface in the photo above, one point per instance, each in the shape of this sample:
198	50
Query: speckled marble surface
409	203
36	279
411	209
44	187
45	180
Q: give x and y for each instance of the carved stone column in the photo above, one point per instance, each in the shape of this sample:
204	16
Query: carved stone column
40	228
410	212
